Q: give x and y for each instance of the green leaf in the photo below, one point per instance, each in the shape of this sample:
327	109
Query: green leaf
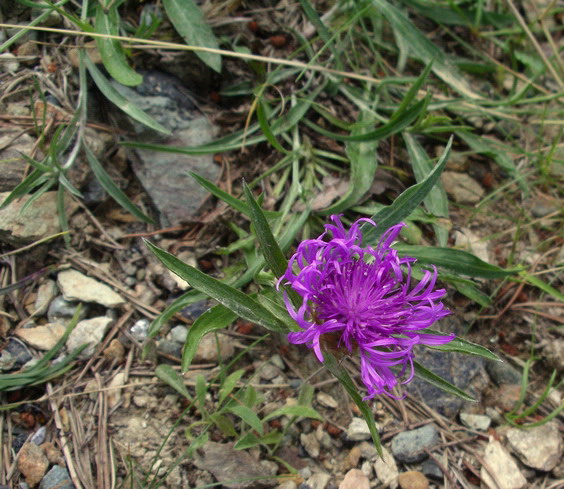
405	204
250	440
171	377
364	161
460	345
266	129
201	391
196	443
473	293
224	424
113	190
218	317
229	384
458	261
330	362
248	416
422	48
441	383
436	202
303	411
119	100
107	22
235	203
188	20
268	245
398	122
537	282
233	299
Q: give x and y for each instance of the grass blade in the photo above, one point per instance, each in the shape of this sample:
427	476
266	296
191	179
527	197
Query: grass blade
441	383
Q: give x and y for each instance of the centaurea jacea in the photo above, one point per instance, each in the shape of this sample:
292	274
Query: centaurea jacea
361	296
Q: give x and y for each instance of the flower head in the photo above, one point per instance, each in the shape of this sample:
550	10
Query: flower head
361	297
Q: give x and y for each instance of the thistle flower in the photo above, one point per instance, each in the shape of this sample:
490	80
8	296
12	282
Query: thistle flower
361	298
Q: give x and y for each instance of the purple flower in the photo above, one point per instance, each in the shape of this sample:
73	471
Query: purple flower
359	298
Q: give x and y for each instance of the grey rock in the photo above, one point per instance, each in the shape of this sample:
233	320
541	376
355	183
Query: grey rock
18	351
478	422
432	470
268	371
46	292
462	188
140	330
465	371
539	447
171	348
358	430
13	143
503	466
179	334
503	373
90	331
7	361
327	400
368	450
543	205
39	436
310	444
409	446
61	311
226	464
176	195
277	361
319	480
386	469
57	478
38	221
77	286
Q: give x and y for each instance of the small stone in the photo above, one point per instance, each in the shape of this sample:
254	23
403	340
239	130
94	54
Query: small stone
268	371
46	292
539	447
432	470
114	351
462	188
171	348
18	351
319	480
8	63
42	337
32	463
503	466
53	454
477	422
90	331
179	334
39	220
310	444
327	400
207	349
140	330
367	468
358	430
57	478
353	457
554	354
467	240
141	400
39	436
288	485
323	437
114	392
77	286
413	480
277	361
386	469
503	373
61	311
506	396
28	49
355	479
409	446
7	361
91	50
368	450
543	205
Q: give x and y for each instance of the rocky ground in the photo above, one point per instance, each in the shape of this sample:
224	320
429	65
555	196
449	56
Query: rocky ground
108	421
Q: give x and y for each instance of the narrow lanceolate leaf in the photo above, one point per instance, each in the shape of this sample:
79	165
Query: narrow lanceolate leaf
423	49
172	378
460	345
107	22
436	201
188	20
218	317
248	416
364	161
118	99
113	190
297	410
441	383
229	384
268	245
344	378
235	300
406	203
458	261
